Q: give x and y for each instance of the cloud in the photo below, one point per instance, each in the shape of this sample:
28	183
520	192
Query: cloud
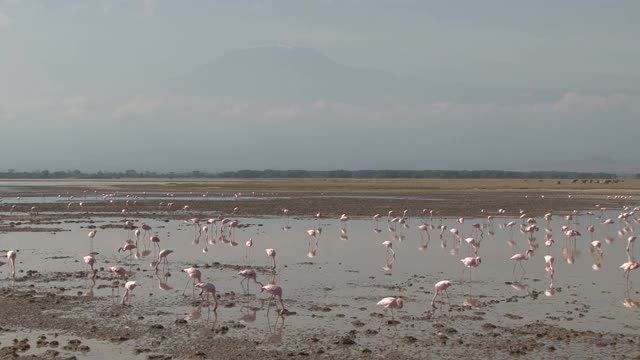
5	22
73	106
140	105
572	102
168	110
282	113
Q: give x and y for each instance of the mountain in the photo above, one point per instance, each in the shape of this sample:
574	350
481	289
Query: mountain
297	73
290	73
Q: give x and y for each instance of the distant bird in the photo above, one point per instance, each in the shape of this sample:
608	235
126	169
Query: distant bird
92	233
208	288
441	286
129	286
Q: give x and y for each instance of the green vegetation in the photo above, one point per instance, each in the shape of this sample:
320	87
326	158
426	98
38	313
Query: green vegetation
300	174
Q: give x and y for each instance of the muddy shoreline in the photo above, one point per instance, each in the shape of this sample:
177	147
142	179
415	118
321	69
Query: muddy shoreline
65	308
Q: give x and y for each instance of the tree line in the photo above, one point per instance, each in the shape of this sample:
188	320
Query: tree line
331	174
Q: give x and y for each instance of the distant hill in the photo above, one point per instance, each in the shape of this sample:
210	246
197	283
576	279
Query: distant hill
288	73
298	73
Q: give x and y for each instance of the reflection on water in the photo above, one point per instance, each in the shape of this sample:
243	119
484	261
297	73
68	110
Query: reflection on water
340	261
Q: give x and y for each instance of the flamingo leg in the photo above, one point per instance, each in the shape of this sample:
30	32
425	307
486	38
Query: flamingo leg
185	286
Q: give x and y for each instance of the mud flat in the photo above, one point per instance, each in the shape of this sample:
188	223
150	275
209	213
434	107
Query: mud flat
331	284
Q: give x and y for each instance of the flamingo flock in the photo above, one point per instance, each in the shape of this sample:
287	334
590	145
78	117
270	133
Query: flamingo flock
223	230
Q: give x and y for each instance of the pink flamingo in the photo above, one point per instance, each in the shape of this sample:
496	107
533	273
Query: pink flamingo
390	303
471	262
628	267
248	245
630	242
274	290
608	222
91	235
90	260
441	286
272	254
518	258
11	256
194	274
208	288
548	259
162	257
129	286
119	272
248	274
146	229
128	247
155	240
344	218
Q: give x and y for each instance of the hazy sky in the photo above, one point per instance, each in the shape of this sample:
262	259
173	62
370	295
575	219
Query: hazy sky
377	84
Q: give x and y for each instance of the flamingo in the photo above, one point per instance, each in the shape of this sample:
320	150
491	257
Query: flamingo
548	259
208	288
376	218
91	235
11	256
155	240
129	286
518	258
628	267
119	272
608	222
194	274
274	290
391	303
272	253
441	286
90	260
630	242
162	257
248	274
471	262
128	247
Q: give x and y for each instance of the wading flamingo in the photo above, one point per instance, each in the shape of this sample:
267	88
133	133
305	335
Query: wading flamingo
208	288
390	303
441	286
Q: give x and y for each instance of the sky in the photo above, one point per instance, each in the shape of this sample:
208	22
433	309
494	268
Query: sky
354	84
